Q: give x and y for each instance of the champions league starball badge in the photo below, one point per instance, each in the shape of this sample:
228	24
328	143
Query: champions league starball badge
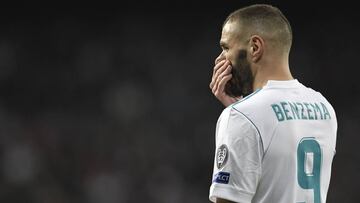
222	156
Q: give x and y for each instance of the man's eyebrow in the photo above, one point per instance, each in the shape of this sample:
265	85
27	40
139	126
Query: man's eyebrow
223	44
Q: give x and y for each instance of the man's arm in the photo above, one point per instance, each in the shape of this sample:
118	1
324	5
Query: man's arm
221	75
238	158
218	200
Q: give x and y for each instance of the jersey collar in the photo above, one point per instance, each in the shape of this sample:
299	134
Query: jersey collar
282	83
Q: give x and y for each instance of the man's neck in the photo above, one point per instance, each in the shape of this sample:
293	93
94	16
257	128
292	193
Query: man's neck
264	74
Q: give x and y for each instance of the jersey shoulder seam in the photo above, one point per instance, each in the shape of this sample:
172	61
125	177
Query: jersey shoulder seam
247	118
253	124
246	98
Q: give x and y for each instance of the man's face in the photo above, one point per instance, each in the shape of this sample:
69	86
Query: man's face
235	50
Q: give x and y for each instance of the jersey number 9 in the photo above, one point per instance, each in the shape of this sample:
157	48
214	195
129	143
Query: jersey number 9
309	166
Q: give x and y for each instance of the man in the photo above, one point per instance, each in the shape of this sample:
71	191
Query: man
276	139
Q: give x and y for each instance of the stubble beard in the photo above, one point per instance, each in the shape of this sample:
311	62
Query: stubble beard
241	83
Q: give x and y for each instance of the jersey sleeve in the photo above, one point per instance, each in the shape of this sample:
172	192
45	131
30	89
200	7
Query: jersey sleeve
238	156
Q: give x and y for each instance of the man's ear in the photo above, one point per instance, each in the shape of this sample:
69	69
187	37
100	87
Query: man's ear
256	48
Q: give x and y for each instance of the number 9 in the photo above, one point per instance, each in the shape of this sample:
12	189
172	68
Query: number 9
311	180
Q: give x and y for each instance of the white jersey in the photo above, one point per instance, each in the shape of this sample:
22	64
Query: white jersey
275	146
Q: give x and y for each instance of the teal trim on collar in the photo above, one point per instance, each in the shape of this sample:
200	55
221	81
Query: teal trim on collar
247	97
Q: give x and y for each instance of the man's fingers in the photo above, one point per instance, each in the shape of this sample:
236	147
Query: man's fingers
226	71
219	65
218	69
222	83
218	59
222	78
218	90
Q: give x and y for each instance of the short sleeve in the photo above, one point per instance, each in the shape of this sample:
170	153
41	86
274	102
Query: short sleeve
238	156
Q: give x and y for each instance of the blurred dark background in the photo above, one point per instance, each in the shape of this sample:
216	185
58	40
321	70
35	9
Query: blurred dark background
112	104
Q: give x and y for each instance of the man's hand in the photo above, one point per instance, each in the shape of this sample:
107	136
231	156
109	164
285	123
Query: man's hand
218	200
221	75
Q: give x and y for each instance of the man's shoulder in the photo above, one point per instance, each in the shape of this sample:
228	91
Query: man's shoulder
259	106
252	103
236	111
263	98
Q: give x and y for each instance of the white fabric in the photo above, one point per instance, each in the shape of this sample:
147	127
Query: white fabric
262	158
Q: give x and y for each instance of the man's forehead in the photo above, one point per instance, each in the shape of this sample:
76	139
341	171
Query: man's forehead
230	30
230	27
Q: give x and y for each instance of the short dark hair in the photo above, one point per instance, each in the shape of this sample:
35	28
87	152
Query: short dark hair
263	19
